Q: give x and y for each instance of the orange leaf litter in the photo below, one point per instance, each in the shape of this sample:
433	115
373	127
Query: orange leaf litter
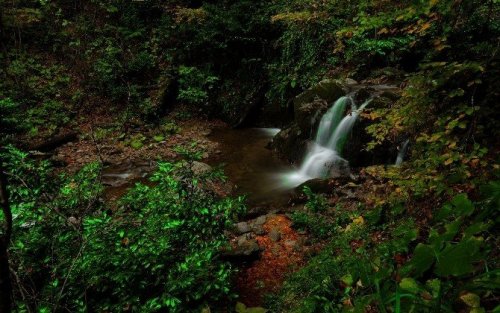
278	259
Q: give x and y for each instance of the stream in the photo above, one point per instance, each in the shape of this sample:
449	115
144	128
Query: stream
255	170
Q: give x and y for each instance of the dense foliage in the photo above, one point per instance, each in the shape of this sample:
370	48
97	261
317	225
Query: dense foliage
367	266
159	250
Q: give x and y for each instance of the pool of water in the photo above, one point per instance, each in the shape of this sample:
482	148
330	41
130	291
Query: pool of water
256	171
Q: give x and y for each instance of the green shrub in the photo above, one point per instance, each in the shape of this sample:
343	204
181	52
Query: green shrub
10	119
162	247
195	85
356	271
158	251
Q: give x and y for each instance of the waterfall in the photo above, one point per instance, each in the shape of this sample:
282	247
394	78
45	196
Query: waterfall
402	152
324	155
331	120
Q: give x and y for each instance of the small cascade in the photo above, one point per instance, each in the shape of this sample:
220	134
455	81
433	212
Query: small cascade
402	153
324	155
331	120
339	136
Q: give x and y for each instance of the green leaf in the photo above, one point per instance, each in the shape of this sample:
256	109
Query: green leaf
457	259
434	285
409	284
347	280
444	212
475	229
462	205
423	258
159	138
451	230
471	299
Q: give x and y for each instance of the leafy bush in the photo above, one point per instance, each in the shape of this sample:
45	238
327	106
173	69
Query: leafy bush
39	91
164	242
9	118
195	85
158	251
47	214
369	265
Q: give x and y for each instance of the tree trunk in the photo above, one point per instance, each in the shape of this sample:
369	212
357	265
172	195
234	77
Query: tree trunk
5	283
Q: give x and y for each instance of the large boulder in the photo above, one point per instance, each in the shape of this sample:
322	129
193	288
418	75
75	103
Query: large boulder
355	149
164	96
244	249
200	168
328	90
291	143
308	115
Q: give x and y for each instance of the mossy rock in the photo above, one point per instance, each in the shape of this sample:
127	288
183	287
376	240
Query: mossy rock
242	308
309	115
328	90
291	143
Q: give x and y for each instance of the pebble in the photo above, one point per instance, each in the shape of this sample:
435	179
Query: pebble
242	227
275	235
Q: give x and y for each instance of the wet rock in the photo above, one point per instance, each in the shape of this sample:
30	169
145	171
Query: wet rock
242	227
340	169
73	220
392	94
274	235
256	211
200	168
260	220
165	94
363	94
291	143
258	230
244	249
308	115
59	160
272	214
317	185
350	81
241	240
328	90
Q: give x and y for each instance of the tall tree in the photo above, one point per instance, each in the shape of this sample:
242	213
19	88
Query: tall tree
5	283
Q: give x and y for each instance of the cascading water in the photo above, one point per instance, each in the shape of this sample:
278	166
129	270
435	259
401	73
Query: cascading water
324	155
402	153
331	120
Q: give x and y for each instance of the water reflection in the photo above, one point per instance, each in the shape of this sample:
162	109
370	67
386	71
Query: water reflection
257	172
